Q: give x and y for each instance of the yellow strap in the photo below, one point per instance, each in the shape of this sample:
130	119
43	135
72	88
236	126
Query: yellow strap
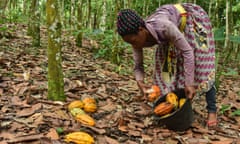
183	14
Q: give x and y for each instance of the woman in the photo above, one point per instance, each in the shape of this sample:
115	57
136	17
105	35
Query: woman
185	56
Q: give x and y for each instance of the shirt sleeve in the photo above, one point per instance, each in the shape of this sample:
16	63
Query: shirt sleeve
138	63
174	35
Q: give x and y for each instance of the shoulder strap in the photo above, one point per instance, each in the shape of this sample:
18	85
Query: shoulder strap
183	14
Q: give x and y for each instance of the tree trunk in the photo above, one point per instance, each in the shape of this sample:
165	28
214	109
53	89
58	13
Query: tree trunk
104	16
231	23
146	8
72	15
63	14
30	22
79	23
210	9
3	6
55	74
95	14
25	7
88	24
215	20
217	23
34	23
226	44
10	9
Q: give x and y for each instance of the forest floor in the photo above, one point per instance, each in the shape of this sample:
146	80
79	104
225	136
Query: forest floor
122	117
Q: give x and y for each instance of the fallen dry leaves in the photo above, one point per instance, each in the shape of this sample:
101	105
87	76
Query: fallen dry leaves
26	116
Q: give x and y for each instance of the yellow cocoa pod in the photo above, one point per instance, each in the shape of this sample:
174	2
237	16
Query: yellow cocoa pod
90	107
181	102
172	98
76	111
85	119
79	138
89	100
75	104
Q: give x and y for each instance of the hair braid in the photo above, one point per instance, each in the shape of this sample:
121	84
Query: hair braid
128	22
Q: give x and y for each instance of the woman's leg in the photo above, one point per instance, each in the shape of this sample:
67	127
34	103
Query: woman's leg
211	107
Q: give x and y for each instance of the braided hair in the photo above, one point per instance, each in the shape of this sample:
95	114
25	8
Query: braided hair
128	22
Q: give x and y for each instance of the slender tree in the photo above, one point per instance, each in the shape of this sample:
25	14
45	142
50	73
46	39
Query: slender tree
72	17
55	74
79	23
104	16
229	46
96	15
3	5
25	7
226	44
210	9
88	21
34	23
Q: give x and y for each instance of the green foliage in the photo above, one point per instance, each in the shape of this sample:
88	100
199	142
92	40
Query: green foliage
224	108
219	34
235	39
111	47
236	113
59	130
3	28
15	16
230	72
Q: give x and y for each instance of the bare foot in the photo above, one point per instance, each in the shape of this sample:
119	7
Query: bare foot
212	120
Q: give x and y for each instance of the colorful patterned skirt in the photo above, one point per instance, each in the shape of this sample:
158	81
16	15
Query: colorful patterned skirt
169	72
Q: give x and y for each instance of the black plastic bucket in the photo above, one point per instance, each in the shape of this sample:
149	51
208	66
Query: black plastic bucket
179	120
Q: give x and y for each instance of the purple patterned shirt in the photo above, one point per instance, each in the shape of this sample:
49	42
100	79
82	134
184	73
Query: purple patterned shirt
163	25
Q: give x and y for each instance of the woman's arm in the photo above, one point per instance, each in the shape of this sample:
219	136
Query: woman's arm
139	70
138	64
175	36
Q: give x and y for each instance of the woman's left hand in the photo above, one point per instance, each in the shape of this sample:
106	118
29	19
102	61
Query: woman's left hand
190	92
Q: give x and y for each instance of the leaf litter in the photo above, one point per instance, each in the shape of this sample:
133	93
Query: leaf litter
26	116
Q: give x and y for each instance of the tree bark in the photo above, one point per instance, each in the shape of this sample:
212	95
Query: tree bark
3	5
104	16
55	74
88	24
210	9
34	23
79	23
226	44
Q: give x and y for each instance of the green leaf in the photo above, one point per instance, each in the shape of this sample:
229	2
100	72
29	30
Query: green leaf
59	130
236	113
235	39
231	72
224	108
219	34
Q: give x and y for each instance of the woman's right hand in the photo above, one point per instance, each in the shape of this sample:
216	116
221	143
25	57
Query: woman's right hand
143	88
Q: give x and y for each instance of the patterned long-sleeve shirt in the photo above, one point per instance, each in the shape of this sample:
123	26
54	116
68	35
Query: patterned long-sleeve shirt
163	25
